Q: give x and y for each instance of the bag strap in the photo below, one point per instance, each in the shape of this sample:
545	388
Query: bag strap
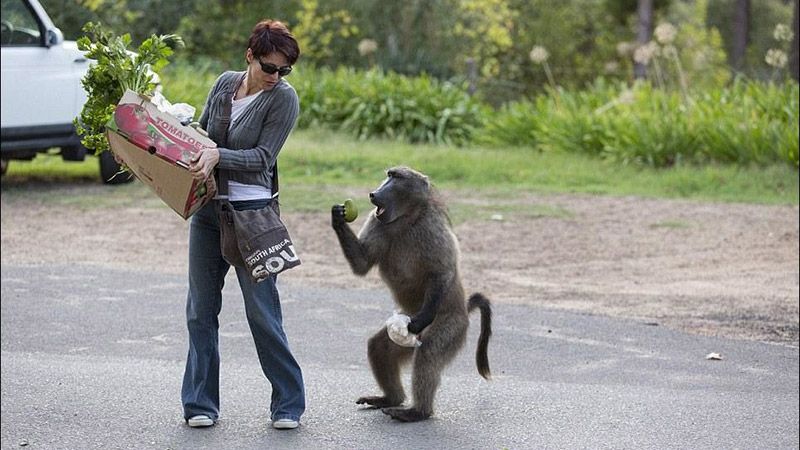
275	189
225	122
225	119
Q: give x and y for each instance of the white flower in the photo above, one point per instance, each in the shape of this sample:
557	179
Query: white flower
625	48
645	53
367	46
665	33
626	97
782	33
539	54
611	67
670	51
776	58
701	59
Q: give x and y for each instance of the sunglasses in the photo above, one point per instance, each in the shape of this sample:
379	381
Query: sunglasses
270	68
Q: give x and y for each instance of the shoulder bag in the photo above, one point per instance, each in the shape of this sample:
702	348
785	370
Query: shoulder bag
255	239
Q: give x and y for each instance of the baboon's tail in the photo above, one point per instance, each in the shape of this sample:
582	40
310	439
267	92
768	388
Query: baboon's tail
481	356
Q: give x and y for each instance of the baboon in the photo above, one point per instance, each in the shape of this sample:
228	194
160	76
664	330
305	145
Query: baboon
409	236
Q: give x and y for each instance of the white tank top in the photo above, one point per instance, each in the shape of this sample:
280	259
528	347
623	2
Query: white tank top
238	191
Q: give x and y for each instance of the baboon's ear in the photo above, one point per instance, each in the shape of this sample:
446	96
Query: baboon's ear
426	182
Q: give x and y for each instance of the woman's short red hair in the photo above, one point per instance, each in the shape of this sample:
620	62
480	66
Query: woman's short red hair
271	36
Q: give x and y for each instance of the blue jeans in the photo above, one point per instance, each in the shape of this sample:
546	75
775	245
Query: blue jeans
207	269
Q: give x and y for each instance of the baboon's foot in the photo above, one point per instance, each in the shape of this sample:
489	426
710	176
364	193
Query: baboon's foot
379	402
405	414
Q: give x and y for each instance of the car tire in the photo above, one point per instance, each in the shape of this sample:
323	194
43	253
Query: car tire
110	170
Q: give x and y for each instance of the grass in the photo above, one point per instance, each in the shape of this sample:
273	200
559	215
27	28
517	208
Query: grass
50	167
671	224
330	159
320	168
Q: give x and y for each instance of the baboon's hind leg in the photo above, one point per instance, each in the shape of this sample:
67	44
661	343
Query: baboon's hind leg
386	359
425	381
405	414
429	362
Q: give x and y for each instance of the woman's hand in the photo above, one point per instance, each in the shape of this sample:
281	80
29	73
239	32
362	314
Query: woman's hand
203	163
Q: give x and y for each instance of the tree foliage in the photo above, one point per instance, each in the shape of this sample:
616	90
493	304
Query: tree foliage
764	16
317	31
437	37
485	29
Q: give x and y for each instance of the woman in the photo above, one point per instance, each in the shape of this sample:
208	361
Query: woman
263	112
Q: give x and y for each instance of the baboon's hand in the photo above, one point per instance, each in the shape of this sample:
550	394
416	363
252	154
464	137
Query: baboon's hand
397	329
337	216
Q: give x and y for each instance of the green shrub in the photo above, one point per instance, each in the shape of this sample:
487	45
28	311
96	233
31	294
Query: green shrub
748	122
386	105
516	124
363	103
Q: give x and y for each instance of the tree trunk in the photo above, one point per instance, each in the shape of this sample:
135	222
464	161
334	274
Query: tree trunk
644	32
741	30
793	57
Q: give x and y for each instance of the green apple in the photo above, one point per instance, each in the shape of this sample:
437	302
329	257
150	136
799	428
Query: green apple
350	210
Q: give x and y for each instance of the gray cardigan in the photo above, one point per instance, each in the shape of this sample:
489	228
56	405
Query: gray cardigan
255	140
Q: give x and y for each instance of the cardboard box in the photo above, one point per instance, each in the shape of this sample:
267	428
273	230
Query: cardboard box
157	149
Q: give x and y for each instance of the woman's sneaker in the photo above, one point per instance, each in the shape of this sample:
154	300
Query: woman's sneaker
285	424
200	421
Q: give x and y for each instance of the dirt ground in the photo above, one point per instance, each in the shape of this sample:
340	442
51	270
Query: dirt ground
718	269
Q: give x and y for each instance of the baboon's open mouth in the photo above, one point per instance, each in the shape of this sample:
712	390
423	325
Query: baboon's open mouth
383	208
380	208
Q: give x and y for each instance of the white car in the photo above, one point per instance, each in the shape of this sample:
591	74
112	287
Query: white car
41	89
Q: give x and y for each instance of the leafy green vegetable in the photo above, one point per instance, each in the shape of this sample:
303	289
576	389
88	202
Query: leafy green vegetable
116	69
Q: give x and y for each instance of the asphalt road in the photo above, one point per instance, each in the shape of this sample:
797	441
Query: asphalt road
93	358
